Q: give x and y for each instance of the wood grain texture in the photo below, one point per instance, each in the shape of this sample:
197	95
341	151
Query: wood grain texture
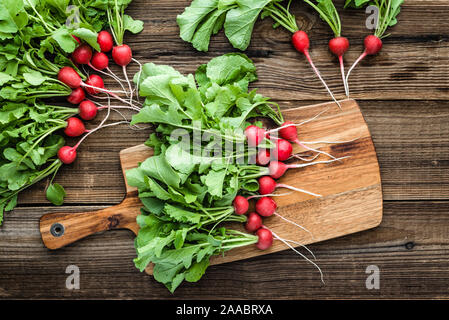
404	96
410	247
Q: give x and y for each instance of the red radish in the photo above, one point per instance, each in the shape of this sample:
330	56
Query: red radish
282	150
288	131
277	169
254	135
265	239
94	81
301	42
105	41
253	223
373	45
76	96
82	54
263	157
87	110
77	39
75	127
266	206
122	55
99	61
70	77
67	154
267	185
241	205
338	46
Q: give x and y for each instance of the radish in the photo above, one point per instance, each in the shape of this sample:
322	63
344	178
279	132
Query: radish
76	96
99	61
254	222
241	205
282	150
267	185
277	168
70	77
263	157
265	238
266	206
94	83
75	127
82	54
67	154
388	11
373	45
338	46
87	110
122	55
254	135
301	42
105	41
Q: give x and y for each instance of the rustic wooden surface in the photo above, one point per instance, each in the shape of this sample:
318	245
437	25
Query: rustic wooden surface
404	95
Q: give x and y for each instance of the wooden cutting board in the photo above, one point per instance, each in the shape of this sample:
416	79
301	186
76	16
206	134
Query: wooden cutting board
351	189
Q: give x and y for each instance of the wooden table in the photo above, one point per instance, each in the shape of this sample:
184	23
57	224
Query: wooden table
404	95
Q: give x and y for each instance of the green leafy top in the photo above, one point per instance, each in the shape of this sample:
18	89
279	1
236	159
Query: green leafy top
119	21
328	13
388	12
204	18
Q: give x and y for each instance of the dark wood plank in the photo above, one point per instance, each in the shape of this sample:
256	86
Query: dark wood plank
410	247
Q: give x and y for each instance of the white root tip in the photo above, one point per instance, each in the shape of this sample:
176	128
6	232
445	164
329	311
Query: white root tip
316	150
316	162
307	259
311	158
281	185
301	245
298	124
268	195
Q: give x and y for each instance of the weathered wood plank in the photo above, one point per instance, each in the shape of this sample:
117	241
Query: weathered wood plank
410	247
411	140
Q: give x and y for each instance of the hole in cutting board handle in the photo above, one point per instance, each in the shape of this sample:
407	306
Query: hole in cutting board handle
57	230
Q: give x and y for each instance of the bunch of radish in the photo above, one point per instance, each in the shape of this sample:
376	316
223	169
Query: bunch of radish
387	11
273	159
84	55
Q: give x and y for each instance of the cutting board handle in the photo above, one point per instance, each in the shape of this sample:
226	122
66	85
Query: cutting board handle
60	229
